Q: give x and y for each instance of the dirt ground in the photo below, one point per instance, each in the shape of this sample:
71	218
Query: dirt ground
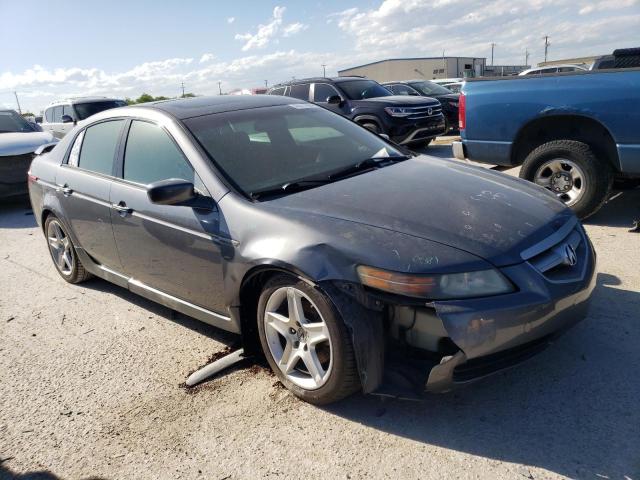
90	381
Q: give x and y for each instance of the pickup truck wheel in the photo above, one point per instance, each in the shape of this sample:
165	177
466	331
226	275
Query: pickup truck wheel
305	341
570	170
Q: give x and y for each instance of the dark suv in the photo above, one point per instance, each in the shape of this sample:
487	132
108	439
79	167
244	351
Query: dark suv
406	120
425	88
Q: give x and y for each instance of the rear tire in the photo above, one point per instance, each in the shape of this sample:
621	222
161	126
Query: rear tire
570	165
63	253
289	341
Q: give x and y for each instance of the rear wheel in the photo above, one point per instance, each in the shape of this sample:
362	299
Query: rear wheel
570	170
305	341
63	253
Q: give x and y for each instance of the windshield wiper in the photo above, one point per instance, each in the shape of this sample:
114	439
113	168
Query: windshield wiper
304	184
365	165
289	187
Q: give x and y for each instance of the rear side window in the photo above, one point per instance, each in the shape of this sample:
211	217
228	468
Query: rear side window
300	91
57	114
402	90
151	155
68	110
99	147
48	114
322	91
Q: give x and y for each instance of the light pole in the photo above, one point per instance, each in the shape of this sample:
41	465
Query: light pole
526	57
492	47
324	71
546	46
219	88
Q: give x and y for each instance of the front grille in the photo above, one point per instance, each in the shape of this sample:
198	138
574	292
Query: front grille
419	113
561	257
482	366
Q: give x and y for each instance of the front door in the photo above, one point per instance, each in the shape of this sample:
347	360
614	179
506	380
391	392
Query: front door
83	187
322	92
173	249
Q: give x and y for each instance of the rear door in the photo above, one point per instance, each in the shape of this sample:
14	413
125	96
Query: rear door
84	184
173	249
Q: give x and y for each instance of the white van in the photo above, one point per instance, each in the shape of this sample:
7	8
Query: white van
60	117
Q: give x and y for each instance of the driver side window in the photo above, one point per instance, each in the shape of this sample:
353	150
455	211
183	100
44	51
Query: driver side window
151	155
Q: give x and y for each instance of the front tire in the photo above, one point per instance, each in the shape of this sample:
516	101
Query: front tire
571	170
63	253
305	341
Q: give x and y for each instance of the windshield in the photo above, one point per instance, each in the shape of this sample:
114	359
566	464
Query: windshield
85	110
362	89
430	88
12	121
264	148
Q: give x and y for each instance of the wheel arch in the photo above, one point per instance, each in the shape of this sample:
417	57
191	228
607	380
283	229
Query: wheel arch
360	119
578	127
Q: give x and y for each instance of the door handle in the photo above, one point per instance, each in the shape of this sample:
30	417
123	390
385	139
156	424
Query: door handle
66	191
122	209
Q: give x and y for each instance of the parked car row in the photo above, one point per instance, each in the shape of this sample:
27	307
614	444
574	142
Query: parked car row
406	119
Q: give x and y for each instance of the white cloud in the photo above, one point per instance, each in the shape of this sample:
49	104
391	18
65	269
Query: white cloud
230	20
207	57
467	27
269	31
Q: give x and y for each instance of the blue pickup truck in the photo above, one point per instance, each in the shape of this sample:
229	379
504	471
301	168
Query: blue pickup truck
573	133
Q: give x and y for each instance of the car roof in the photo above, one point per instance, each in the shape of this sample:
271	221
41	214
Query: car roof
408	81
76	100
182	108
299	81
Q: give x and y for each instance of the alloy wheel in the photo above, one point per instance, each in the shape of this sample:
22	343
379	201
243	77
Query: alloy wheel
60	248
298	338
563	177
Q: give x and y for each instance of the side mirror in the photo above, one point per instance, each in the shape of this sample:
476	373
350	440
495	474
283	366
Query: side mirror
178	192
170	192
67	119
334	100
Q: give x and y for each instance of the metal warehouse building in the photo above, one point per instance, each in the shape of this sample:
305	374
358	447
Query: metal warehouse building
428	68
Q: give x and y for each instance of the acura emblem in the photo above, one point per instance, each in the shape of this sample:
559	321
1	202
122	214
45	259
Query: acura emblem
430	111
570	257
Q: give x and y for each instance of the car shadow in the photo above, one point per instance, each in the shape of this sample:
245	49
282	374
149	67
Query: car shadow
219	335
7	474
16	213
572	410
621	210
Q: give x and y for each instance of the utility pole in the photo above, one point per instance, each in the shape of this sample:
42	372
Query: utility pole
324	71
18	102
492	47
182	89
546	46
526	57
219	87
266	84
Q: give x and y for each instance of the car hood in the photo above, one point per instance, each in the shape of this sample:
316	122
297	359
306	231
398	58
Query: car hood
488	214
400	100
18	143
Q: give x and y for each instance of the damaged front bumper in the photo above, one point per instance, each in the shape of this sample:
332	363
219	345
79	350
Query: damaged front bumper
445	344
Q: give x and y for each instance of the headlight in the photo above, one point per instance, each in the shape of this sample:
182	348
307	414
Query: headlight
436	286
398	111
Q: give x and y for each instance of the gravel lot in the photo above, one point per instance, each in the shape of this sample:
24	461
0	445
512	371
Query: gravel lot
90	387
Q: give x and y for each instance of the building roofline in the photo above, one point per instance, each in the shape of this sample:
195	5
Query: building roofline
407	58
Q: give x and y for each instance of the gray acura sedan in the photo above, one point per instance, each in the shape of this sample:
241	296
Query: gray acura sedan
349	263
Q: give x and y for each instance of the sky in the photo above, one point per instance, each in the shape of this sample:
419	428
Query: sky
53	50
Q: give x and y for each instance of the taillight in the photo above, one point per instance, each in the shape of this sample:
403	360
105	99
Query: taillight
462	112
31	177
